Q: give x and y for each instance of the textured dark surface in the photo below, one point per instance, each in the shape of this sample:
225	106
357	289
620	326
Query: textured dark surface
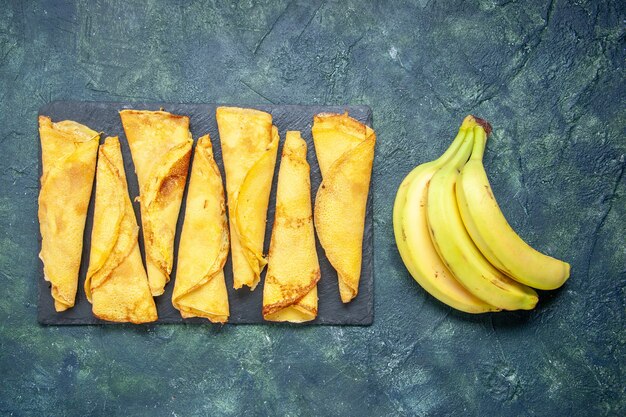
549	76
245	305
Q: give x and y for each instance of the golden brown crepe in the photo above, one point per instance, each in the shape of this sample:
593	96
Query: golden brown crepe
160	144
345	152
249	147
116	283
68	153
290	289
200	288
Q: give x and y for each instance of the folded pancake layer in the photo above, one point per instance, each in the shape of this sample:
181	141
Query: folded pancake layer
116	284
290	289
249	147
68	151
345	151
200	288
160	144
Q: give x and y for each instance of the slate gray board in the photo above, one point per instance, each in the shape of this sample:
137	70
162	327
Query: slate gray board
245	305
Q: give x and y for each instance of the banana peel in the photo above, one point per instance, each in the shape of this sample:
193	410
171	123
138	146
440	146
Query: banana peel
345	152
493	234
456	247
68	151
413	237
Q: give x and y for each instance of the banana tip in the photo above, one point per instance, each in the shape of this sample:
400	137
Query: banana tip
485	124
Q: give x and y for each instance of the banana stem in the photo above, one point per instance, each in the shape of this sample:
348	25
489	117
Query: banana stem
480	141
485	124
468	123
460	158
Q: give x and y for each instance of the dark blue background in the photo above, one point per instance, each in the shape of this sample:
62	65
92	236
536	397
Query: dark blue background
549	76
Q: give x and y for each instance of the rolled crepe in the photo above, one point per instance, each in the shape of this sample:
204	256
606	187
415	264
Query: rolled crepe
290	289
200	289
249	146
160	144
116	283
68	153
345	152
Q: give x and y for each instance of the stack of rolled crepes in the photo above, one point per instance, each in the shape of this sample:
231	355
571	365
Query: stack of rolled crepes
160	142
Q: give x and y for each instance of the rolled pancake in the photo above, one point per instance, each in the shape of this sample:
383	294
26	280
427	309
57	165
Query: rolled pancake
68	153
290	289
160	144
116	284
249	147
200	288
345	152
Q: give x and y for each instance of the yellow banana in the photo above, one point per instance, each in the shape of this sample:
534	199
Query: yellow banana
456	247
493	235
413	238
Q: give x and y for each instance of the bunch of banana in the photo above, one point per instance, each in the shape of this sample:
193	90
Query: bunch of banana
454	239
